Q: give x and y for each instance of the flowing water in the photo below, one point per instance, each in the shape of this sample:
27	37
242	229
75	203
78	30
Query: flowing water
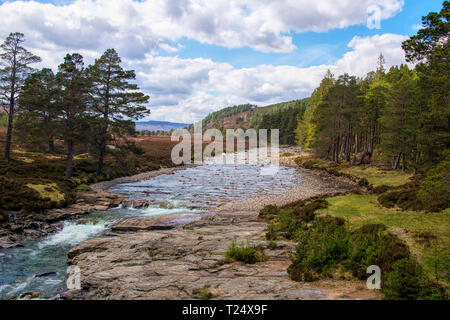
41	265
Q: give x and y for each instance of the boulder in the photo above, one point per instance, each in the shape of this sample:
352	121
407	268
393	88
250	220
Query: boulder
362	158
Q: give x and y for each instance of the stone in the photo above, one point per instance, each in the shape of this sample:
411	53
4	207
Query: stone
45	274
30	295
142	223
136	203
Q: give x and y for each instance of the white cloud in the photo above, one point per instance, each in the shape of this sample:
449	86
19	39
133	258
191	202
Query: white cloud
366	50
188	89
139	28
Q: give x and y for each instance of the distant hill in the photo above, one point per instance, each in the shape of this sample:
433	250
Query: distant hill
248	116
283	116
154	125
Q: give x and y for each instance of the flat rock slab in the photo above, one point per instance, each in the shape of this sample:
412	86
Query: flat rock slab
176	263
143	223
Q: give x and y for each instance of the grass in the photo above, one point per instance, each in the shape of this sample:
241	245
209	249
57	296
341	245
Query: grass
203	293
378	177
359	210
49	190
245	253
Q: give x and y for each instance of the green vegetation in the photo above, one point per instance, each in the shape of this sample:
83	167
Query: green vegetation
285	120
408	281
3	120
379	177
427	234
49	190
203	293
245	253
347	239
435	189
215	119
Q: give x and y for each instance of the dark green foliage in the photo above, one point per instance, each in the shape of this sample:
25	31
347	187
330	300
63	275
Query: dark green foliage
203	293
285	221
302	273
405	199
305	213
16	196
363	182
37	125
381	189
246	253
285	120
268	212
372	245
320	248
407	280
3	120
434	191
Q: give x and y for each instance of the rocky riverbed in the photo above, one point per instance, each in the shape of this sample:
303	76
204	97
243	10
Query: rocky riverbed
180	262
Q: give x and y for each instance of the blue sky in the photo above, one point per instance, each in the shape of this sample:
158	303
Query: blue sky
196	56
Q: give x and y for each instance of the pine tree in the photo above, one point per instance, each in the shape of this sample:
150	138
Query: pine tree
430	47
39	109
15	63
114	99
305	130
74	89
400	119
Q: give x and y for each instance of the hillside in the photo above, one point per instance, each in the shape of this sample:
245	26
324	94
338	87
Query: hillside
282	116
247	115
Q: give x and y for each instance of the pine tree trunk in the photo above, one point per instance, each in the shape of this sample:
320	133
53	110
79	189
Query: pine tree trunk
69	163
397	161
403	162
101	160
51	145
9	132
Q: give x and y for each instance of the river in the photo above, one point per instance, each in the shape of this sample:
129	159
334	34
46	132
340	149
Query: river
41	265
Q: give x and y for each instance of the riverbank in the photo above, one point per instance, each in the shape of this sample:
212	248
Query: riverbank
105	185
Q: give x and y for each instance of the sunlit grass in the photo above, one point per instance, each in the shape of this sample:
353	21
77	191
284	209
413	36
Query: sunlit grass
49	190
377	176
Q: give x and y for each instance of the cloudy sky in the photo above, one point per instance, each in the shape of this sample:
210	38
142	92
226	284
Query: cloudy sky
197	56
